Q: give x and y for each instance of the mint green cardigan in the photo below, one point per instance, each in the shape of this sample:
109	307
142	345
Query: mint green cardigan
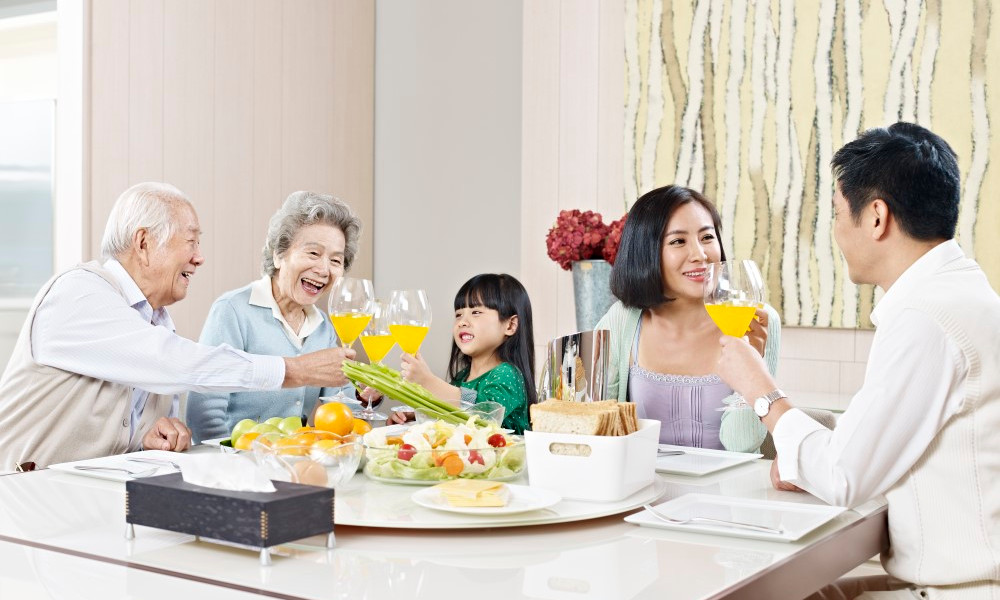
741	430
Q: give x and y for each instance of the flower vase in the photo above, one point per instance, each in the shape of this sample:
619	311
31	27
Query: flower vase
591	292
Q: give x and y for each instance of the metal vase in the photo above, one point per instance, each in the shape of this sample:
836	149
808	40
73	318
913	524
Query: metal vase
576	367
591	292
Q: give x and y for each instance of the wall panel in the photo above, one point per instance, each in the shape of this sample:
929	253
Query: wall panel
238	104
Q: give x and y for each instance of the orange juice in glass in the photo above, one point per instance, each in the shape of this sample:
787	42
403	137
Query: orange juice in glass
350	307
376	339
733	292
409	318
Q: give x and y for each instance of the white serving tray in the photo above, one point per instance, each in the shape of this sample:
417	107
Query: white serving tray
794	519
700	461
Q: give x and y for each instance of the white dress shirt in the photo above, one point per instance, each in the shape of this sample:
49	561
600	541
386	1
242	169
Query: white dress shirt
913	384
83	326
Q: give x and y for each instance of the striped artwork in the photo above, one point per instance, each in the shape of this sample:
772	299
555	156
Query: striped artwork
748	101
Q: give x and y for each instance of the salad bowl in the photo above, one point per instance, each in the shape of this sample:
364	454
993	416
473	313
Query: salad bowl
435	451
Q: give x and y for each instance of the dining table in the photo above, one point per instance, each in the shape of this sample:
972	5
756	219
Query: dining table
62	535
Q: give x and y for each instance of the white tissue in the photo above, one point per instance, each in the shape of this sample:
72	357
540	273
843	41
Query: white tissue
226	472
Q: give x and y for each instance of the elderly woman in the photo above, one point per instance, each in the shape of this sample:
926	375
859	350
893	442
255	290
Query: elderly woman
311	241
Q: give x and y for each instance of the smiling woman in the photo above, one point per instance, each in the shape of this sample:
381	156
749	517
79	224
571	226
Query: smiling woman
311	242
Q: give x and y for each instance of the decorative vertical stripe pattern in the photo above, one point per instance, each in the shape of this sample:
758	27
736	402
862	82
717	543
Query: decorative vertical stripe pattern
748	101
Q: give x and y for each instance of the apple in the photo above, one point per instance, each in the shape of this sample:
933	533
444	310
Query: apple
273	421
290	424
241	428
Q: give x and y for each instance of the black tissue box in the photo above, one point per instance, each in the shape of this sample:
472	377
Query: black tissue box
257	519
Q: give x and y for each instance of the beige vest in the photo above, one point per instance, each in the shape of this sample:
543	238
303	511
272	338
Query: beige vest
944	514
48	415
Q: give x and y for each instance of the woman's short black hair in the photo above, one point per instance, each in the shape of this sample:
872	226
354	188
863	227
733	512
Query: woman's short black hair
637	276
913	170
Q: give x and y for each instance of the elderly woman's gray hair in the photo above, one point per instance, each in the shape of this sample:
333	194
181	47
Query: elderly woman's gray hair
309	208
148	205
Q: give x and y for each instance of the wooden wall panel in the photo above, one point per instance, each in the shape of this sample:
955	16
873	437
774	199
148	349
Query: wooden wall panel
572	147
238	104
236	250
109	115
267	85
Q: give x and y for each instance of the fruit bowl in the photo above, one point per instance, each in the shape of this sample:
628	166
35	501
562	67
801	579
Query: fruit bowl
429	453
326	462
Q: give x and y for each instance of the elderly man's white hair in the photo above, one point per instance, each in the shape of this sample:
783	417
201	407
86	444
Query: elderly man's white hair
147	205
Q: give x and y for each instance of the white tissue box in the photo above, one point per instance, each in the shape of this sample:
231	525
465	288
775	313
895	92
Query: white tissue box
616	467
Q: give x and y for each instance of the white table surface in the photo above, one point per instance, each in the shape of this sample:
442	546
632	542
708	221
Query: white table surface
79	518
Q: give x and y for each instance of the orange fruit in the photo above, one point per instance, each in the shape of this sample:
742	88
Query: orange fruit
361	426
305	439
243	443
334	417
326	444
305	429
290	447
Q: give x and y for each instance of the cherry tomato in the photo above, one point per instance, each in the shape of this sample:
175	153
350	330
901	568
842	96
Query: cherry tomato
406	452
496	440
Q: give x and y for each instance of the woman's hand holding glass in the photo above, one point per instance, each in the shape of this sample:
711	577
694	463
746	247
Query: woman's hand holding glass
733	294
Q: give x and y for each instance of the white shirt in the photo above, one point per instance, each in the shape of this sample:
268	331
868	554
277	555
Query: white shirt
913	384
82	326
262	295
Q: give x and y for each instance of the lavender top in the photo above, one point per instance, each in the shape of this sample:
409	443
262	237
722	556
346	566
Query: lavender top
686	405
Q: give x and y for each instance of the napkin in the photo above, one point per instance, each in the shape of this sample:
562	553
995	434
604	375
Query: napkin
226	472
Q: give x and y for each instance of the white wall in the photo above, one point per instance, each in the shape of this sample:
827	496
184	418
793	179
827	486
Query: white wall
447	150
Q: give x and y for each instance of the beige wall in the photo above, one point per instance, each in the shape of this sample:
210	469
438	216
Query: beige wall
237	103
447	151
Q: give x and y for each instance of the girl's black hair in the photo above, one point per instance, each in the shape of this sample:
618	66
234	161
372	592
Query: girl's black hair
504	294
637	276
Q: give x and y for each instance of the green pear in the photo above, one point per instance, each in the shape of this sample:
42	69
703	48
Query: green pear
263	428
290	424
273	421
241	428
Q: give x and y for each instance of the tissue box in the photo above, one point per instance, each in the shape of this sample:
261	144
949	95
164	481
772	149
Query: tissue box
614	468
255	519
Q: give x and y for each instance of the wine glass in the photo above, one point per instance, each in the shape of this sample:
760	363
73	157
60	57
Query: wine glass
350	307
377	340
409	318
733	292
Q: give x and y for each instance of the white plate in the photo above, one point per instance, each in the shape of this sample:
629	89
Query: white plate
217	442
700	461
120	461
794	519
522	499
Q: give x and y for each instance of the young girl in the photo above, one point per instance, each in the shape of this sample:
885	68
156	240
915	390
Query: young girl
493	352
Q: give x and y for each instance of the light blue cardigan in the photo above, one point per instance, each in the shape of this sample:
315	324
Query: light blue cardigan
254	329
741	430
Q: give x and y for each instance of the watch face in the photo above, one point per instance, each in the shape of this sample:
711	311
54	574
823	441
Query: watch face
761	406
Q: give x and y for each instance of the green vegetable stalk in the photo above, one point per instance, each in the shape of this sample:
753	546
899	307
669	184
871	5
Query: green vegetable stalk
391	384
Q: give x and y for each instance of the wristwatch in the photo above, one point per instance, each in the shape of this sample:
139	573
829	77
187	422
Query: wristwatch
762	405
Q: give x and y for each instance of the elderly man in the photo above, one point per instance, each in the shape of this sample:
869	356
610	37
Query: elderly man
923	428
97	365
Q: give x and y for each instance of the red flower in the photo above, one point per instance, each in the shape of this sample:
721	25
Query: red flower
610	249
576	236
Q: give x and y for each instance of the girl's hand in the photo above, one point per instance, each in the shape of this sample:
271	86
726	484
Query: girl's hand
369	396
415	369
401	416
757	336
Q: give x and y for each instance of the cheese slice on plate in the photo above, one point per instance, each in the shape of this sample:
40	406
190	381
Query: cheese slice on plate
474	492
